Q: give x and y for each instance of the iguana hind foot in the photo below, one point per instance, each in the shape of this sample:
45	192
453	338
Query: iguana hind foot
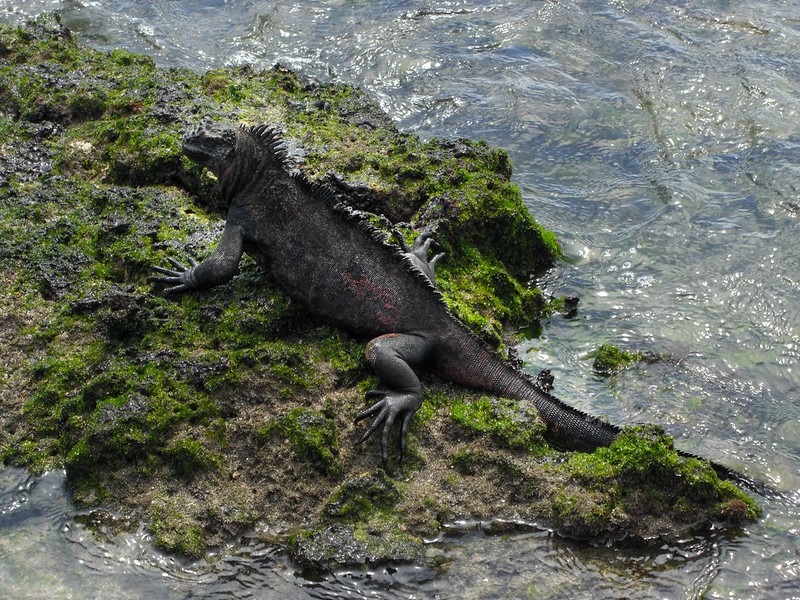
393	357
390	407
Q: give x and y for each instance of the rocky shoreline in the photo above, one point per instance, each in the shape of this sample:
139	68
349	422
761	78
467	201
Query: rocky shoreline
231	410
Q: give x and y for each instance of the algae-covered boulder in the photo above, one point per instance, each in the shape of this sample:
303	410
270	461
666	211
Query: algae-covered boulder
232	409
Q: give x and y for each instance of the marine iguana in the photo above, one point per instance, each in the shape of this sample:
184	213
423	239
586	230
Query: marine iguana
325	255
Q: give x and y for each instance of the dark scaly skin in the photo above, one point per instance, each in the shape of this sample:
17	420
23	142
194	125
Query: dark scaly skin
323	255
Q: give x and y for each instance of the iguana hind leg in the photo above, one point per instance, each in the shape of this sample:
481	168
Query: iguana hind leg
392	356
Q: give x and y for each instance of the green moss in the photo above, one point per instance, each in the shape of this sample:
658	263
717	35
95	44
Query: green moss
97	409
263	91
36	455
174	529
476	417
610	359
466	461
345	354
644	458
321	550
511	423
188	457
361	496
89	491
432	401
312	435
486	297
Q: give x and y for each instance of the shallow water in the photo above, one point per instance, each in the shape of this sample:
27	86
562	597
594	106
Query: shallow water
661	141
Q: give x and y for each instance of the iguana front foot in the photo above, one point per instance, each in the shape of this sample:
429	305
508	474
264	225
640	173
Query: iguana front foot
390	407
418	253
219	267
179	278
545	380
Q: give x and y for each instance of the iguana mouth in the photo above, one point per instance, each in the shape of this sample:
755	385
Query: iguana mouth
193	153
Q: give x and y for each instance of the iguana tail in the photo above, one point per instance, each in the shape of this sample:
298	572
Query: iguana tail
567	427
466	360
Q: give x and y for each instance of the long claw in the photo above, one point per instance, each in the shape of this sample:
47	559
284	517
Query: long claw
177	288
372	428
404	434
374	409
176	264
421	248
169	272
386	411
387	427
401	240
419	254
178	277
425	236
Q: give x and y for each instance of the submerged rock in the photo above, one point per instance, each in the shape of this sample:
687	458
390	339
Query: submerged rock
232	409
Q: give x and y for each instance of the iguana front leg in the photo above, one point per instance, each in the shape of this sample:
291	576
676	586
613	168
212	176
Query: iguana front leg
220	266
392	356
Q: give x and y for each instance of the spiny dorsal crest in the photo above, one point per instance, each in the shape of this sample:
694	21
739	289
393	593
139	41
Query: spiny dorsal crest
270	139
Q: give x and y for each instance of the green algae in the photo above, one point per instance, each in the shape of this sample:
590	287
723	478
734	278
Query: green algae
237	389
609	359
174	530
188	456
361	526
360	496
327	548
312	436
642	468
512	424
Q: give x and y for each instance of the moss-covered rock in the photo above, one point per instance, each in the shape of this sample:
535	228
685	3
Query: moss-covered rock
609	359
361	495
642	472
511	425
232	409
174	530
311	434
337	545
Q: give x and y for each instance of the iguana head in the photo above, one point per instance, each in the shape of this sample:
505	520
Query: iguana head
212	145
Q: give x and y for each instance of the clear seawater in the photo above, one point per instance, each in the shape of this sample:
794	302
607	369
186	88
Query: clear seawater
661	141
